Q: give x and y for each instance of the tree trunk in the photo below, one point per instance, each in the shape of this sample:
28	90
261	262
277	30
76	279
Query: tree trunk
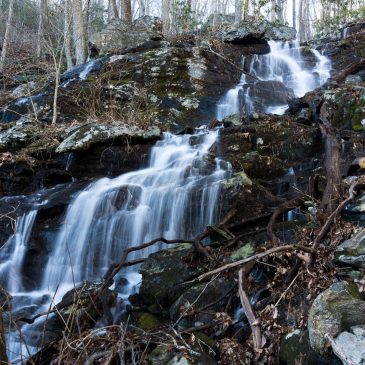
127	10
67	34
238	7
40	35
6	36
165	16
245	9
79	32
294	15
113	9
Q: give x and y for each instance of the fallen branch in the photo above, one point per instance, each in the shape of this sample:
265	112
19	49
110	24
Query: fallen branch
350	69
252	258
252	320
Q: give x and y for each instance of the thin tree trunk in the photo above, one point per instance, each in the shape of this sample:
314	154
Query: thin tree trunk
40	35
67	34
238	7
79	32
245	9
113	9
142	8
165	16
127	10
294	15
6	36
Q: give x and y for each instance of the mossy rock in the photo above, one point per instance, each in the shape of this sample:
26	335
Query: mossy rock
242	253
199	296
147	321
162	273
334	310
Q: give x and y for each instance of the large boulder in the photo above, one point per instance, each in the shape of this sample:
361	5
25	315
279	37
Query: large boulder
266	93
120	34
333	311
256	32
352	251
89	134
162	274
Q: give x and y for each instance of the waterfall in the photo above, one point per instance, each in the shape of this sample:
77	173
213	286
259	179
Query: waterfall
283	65
175	197
12	253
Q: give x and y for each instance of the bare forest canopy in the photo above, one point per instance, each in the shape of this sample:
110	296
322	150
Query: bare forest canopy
62	28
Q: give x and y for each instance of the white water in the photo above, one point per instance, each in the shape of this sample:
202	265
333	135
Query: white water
13	251
175	197
285	64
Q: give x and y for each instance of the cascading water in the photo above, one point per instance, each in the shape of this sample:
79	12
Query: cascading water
175	197
285	68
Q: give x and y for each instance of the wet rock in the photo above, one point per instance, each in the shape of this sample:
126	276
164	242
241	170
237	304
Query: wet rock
90	134
265	93
82	71
120	34
197	297
162	273
295	348
352	251
256	32
80	302
352	344
358	205
3	354
334	310
232	121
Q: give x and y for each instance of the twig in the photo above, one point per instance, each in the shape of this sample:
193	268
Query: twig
252	258
322	233
252	320
286	290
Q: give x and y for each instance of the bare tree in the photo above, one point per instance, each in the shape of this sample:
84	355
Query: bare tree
40	35
238	7
79	32
165	16
127	10
6	35
67	33
113	9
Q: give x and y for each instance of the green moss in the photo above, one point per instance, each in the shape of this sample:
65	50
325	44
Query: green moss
242	253
147	322
205	339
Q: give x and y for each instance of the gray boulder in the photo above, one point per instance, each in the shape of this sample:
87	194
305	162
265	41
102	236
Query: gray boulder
333	311
352	251
120	34
88	134
352	344
252	31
